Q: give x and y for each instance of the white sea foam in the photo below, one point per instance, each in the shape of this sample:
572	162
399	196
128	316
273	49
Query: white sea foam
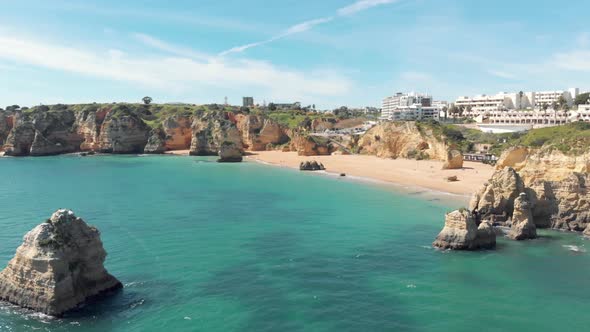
574	248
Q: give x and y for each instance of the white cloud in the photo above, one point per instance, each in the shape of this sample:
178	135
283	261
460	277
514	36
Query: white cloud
167	47
501	74
578	60
362	5
175	72
308	25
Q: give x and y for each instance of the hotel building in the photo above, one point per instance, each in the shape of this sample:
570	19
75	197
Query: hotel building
409	106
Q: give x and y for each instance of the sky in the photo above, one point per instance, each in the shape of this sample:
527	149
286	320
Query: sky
329	53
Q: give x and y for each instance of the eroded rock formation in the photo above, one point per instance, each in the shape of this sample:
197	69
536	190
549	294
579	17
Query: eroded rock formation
556	185
259	133
306	145
156	142
58	266
496	197
402	140
454	160
230	152
462	233
522	225
210	131
122	132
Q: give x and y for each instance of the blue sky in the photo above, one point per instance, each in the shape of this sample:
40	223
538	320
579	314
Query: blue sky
329	53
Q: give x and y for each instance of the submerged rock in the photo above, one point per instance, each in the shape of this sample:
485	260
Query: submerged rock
523	226
462	233
58	266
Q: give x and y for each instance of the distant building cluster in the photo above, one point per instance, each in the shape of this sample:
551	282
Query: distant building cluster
411	106
480	104
530	109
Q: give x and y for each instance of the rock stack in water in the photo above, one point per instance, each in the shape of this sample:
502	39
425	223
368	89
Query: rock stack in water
58	266
462	233
229	152
523	227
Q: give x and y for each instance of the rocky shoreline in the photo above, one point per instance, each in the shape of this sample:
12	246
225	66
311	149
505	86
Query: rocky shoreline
531	189
136	129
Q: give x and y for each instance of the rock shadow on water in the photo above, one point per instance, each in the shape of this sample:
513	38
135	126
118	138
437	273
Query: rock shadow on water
282	286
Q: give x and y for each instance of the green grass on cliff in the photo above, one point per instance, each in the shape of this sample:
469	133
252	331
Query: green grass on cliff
294	119
571	138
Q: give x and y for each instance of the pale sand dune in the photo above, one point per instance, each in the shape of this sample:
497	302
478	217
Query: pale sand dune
426	174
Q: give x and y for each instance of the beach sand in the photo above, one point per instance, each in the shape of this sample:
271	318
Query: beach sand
425	173
178	152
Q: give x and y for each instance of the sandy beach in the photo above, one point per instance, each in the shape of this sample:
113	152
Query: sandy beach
426	173
178	152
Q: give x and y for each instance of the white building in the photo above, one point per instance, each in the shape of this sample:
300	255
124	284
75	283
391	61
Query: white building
547	98
482	105
412	113
401	102
475	106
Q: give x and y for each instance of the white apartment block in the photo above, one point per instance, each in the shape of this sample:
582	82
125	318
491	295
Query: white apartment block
412	113
483	104
406	106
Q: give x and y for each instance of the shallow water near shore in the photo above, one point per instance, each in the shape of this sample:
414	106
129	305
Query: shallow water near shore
202	246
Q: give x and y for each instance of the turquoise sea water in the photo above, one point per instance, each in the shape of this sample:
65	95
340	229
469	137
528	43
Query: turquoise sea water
202	246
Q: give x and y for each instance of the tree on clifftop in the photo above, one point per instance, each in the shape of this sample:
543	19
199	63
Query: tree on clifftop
147	100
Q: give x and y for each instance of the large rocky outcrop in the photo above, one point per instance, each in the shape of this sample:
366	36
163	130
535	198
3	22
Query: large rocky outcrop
230	152
496	197
178	132
122	132
454	160
556	184
306	145
43	132
259	133
88	125
156	143
210	131
522	226
462	233
5	127
58	266
403	140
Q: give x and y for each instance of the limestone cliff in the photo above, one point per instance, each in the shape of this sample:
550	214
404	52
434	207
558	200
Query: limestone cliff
210	130
556	184
403	140
156	142
5	127
178	132
58	266
259	133
306	145
42	132
122	132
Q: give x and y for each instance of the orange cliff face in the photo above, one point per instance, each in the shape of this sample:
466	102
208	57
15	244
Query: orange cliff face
259	133
178	132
